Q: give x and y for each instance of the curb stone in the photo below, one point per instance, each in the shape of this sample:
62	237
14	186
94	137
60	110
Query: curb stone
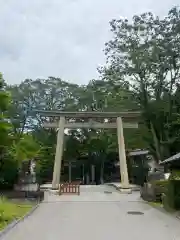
15	222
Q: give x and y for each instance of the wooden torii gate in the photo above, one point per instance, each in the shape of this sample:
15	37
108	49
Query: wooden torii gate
96	120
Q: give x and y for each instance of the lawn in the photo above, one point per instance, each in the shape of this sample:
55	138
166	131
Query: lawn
156	204
10	211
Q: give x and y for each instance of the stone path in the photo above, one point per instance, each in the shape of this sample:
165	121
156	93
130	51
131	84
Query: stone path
95	215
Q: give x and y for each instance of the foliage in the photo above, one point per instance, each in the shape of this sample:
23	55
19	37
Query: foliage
8	172
175	175
8	166
144	56
141	73
24	149
4	125
167	192
160	188
172	198
44	166
10	211
154	190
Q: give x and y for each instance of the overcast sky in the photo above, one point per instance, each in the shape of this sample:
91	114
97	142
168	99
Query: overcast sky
61	38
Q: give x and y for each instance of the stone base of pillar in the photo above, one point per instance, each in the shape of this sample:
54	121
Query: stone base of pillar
54	191
125	190
93	183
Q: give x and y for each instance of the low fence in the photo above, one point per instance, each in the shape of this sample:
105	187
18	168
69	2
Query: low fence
69	188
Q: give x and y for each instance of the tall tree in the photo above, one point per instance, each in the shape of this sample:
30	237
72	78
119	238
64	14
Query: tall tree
144	54
4	124
8	166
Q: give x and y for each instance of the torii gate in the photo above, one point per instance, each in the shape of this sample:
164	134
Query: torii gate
108	120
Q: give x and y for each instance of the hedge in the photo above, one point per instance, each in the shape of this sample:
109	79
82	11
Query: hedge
153	190
171	199
173	194
160	187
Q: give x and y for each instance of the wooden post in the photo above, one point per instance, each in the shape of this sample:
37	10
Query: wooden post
59	153
83	173
92	174
122	155
69	171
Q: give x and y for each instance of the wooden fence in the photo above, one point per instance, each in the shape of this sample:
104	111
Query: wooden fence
69	188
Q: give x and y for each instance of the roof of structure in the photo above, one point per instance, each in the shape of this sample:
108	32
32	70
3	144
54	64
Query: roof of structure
172	158
138	152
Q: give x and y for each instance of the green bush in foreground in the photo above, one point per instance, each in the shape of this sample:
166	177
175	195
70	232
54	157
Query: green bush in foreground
160	188
10	211
171	198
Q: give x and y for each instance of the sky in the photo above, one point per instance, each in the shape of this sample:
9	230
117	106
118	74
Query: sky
62	38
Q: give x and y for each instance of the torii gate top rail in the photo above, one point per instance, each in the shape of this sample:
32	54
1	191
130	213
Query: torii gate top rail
124	115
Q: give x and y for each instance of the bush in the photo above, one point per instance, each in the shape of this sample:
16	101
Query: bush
44	166
165	202
10	211
172	194
152	191
175	175
160	188
8	172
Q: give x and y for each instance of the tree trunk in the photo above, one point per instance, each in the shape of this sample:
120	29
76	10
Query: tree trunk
87	178
156	142
83	177
92	174
102	172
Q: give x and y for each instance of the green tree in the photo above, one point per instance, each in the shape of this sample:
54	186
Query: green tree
4	124
144	55
8	166
53	94
25	149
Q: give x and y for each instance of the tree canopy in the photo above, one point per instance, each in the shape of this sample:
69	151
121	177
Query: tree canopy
141	73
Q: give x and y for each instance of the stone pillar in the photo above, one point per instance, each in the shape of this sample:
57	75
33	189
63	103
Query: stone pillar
122	155
59	153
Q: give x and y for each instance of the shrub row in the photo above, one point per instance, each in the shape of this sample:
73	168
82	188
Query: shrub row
165	191
153	191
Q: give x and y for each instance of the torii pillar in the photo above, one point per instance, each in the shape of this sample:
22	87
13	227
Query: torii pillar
59	153
122	157
121	148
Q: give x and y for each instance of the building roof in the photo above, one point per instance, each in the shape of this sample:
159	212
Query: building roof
138	152
170	159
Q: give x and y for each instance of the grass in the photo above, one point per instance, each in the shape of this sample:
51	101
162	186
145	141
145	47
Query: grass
10	211
156	204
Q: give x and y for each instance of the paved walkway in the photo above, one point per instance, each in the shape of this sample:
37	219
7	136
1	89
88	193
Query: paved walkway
95	215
